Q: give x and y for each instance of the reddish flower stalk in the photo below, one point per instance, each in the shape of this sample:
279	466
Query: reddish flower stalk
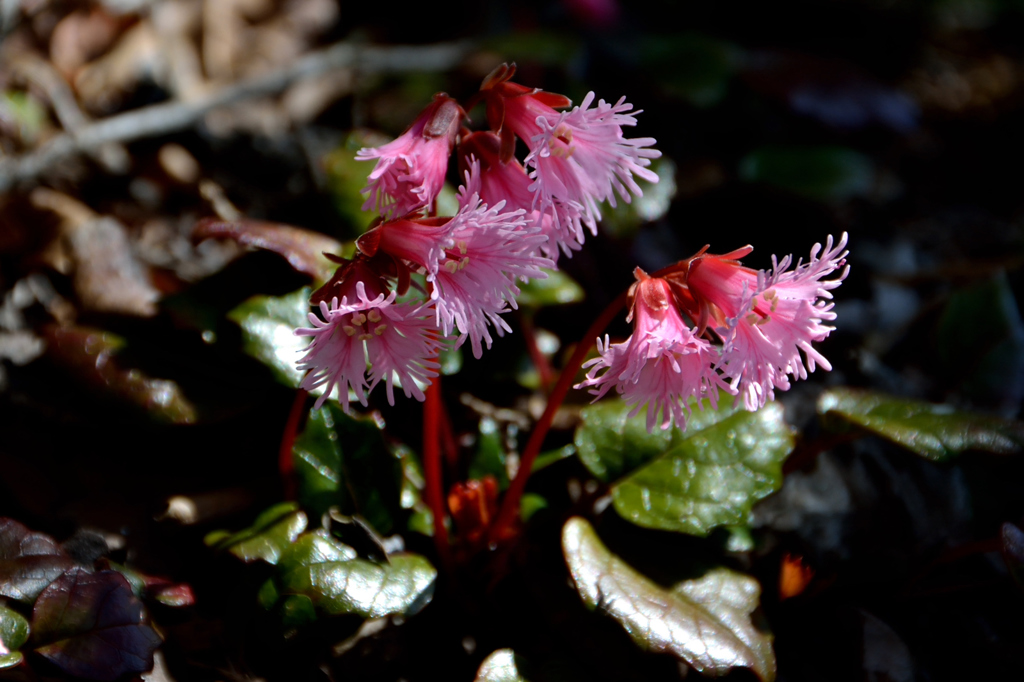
510	504
432	467
285	462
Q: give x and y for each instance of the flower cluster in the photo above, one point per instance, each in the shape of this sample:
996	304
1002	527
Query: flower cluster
513	220
765	321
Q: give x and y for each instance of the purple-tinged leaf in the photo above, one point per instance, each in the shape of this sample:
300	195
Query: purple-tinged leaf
91	625
303	249
28	561
13	634
1013	551
705	622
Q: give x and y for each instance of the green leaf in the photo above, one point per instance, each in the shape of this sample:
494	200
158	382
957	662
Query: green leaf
328	572
25	112
14	632
936	432
705	622
557	288
824	173
626	218
413	483
270	534
611	444
980	342
344	462
500	666
91	625
268	332
546	459
691	66
530	504
712	477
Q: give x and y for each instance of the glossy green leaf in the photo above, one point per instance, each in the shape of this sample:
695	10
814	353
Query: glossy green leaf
328	572
712	477
29	561
344	462
980	343
14	633
611	444
824	173
500	666
91	625
272	531
937	432
705	622
557	288
268	332
626	218
691	66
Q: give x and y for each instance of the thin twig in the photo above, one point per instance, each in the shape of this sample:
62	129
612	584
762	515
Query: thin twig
161	119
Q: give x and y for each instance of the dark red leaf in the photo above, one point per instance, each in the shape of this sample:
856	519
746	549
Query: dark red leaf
91	625
28	561
303	249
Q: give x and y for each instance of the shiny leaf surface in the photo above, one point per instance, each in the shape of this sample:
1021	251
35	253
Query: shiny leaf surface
500	666
268	332
14	632
936	432
328	572
342	461
267	538
611	444
712	477
91	625
705	622
29	561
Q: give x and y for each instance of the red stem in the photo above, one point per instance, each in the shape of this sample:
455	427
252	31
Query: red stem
432	467
510	505
285	462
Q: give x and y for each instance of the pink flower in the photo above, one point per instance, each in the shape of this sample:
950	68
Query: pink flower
476	280
580	157
768	320
399	341
662	365
508	181
410	170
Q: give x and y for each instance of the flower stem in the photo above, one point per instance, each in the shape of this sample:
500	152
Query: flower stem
285	463
510	504
432	467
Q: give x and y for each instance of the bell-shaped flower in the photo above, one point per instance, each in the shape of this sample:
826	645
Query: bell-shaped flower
360	341
475	281
768	320
410	170
663	365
